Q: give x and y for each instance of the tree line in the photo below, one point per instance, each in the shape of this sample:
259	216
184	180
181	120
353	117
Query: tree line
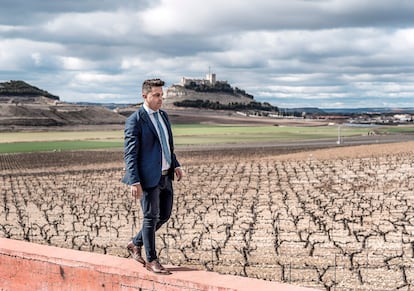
207	104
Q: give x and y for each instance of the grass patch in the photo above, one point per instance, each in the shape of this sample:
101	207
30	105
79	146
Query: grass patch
20	147
61	136
207	134
397	129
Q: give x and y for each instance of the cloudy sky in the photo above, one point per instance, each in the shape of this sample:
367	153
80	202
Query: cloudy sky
315	53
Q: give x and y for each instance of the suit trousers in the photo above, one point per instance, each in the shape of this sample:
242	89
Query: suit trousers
156	205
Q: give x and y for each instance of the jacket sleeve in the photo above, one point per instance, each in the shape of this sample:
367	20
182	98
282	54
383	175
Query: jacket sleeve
175	162
131	149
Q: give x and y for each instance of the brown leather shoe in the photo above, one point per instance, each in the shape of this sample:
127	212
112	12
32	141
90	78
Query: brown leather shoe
135	252
156	267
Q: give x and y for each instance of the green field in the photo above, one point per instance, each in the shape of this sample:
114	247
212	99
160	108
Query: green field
12	142
198	135
56	146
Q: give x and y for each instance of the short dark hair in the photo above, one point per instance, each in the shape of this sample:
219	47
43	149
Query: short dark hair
148	84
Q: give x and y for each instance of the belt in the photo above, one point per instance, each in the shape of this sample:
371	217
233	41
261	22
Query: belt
164	172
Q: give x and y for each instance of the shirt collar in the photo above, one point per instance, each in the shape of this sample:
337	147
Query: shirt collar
148	110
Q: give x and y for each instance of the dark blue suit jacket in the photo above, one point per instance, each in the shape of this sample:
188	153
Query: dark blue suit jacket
143	152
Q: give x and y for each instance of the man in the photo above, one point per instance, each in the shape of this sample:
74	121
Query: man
150	167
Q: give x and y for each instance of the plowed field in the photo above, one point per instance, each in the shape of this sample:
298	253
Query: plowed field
334	219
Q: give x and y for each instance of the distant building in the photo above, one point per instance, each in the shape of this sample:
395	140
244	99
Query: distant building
210	80
207	89
403	117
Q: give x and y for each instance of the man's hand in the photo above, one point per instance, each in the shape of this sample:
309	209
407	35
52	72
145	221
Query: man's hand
136	191
179	173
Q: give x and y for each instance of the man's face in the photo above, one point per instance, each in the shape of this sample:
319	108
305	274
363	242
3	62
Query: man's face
154	98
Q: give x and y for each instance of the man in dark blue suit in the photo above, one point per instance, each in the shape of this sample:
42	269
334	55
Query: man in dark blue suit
150	167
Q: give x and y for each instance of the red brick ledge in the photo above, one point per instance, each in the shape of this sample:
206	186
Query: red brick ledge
29	266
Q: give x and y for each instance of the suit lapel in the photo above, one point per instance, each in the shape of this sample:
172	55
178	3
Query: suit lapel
145	118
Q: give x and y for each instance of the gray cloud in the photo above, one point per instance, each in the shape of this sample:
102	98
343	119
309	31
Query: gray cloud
324	53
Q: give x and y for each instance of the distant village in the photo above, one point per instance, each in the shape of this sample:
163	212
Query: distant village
363	118
385	119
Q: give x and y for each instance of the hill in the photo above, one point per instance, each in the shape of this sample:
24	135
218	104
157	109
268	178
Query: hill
23	105
210	93
21	91
178	93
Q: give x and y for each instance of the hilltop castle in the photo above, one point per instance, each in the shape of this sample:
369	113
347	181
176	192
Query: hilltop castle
207	84
210	80
209	89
